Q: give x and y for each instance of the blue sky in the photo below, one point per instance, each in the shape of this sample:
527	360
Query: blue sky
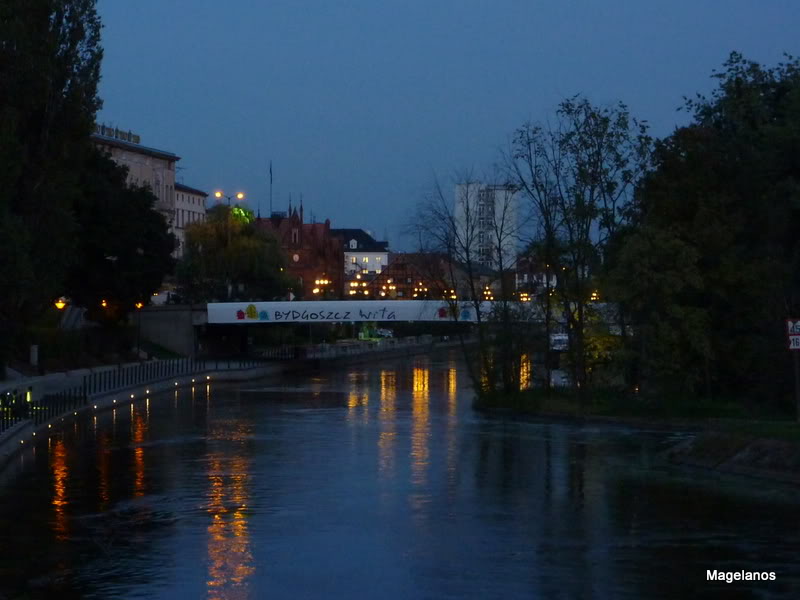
360	104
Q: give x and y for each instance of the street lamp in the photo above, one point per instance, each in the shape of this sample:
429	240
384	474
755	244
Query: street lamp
138	306
239	196
61	303
219	195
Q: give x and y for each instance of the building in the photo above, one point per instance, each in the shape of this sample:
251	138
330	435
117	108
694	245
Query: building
531	278
362	253
147	167
190	207
487	221
314	256
408	276
423	276
155	169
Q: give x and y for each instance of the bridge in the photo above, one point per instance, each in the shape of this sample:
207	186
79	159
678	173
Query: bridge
343	311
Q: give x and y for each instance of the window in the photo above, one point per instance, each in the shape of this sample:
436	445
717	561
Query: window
365	259
378	259
353	259
295	236
353	244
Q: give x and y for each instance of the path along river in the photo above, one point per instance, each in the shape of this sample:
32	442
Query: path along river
375	481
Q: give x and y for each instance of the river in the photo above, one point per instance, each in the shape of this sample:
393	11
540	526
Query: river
375	481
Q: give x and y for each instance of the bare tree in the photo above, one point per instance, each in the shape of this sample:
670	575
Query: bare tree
476	230
578	174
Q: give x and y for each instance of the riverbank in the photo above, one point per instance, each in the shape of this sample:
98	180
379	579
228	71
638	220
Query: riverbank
725	440
739	454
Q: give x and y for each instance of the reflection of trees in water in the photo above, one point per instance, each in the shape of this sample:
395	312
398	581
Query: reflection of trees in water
554	485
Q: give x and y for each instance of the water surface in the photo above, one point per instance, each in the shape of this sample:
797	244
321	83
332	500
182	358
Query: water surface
375	481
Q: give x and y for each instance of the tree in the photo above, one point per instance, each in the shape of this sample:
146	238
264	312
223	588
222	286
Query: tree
718	217
476	233
124	248
579	174
229	256
49	69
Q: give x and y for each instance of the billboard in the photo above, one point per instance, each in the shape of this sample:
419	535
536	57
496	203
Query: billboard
339	311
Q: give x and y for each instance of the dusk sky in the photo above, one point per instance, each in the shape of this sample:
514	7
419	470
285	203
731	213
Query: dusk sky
360	104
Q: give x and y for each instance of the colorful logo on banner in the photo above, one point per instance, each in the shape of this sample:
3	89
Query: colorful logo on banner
252	313
450	313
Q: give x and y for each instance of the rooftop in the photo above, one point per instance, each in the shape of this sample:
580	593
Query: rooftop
117	143
179	187
364	241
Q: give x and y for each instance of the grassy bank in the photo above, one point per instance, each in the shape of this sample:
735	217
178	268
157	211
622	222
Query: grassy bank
680	411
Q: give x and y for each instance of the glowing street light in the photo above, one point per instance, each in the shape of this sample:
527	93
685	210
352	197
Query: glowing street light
61	303
219	195
139	306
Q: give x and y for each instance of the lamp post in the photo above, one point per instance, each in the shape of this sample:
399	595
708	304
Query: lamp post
219	195
138	306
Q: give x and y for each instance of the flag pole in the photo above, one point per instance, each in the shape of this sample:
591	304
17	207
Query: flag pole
270	188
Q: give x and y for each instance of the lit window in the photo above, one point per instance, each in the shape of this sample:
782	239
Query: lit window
377	259
353	259
365	259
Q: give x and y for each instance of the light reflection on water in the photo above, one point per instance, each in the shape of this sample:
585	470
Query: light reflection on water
525	372
60	502
372	482
230	559
138	435
419	430
388	435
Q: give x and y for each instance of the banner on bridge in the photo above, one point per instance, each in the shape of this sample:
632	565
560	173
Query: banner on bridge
339	311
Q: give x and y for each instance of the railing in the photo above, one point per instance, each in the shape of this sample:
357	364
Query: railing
126	376
356	348
13	407
280	353
17	405
50	406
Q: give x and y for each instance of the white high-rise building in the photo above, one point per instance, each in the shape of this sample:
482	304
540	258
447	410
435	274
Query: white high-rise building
487	221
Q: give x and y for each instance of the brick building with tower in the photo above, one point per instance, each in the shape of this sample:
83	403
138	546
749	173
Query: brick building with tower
314	256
